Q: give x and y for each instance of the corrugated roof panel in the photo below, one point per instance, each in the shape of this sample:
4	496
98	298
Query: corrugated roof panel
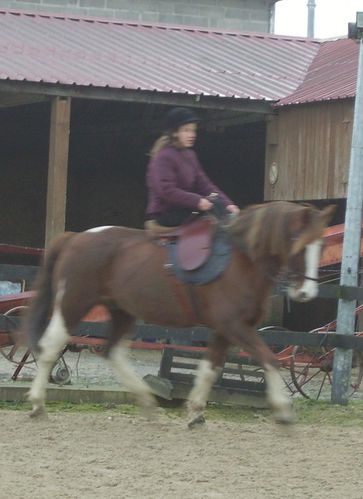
73	51
332	74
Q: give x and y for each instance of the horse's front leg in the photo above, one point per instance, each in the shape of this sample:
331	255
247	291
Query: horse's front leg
247	337
208	371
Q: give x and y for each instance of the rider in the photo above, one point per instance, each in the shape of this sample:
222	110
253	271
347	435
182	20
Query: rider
176	182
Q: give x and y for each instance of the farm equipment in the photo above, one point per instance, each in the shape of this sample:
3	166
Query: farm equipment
306	369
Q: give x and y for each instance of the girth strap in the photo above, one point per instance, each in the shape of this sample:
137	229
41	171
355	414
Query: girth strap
185	294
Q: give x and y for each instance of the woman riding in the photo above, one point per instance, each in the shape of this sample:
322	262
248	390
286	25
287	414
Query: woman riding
176	182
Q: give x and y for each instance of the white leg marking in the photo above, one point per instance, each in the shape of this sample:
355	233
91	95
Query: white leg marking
204	380
309	288
120	362
279	401
50	344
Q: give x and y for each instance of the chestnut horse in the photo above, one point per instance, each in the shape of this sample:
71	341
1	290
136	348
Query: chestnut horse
124	269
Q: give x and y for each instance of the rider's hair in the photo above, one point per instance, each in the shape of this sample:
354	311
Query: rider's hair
163	141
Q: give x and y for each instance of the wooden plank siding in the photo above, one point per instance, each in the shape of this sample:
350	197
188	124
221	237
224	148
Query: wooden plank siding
310	145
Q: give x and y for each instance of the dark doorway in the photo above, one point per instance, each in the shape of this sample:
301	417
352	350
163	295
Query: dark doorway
108	155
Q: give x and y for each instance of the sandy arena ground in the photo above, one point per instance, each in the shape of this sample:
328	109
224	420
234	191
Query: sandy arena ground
109	455
116	456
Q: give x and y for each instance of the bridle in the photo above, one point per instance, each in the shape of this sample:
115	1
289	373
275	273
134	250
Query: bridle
290	274
293	273
284	278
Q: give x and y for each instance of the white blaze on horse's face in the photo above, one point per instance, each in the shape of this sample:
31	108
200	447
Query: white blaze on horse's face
309	287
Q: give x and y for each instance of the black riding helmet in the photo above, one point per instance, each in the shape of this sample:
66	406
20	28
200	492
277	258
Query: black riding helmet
180	116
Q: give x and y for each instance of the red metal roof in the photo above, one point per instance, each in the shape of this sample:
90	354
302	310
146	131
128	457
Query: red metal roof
68	50
102	53
332	74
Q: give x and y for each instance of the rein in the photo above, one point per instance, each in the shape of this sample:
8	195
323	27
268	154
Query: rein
286	276
283	280
292	273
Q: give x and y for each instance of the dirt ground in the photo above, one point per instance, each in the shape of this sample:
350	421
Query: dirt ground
111	455
87	455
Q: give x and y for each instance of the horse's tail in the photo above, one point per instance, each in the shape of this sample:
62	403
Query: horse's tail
37	319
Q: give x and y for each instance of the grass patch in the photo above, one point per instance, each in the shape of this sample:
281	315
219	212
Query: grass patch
307	412
70	407
314	412
235	414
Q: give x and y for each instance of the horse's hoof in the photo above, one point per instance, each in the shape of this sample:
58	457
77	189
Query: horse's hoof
285	419
197	421
150	412
38	412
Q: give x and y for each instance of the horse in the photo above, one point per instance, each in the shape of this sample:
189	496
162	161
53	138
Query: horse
124	269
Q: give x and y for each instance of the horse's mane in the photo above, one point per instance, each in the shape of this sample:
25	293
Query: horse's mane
271	229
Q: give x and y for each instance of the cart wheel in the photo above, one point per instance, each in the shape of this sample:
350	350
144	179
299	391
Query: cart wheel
61	375
357	366
98	349
275	348
311	371
15	351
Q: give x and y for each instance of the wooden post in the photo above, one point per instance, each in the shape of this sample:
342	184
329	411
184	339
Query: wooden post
57	167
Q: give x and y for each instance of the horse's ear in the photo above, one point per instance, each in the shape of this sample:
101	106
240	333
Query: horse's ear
306	216
328	212
307	219
308	213
300	221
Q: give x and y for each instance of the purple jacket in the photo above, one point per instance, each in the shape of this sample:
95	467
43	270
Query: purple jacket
175	179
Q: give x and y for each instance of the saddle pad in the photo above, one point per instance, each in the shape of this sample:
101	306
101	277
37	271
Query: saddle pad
210	270
194	245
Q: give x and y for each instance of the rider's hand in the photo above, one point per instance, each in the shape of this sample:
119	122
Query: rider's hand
233	209
204	205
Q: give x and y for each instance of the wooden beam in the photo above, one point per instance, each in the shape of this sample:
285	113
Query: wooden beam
8	99
58	166
141	96
217	124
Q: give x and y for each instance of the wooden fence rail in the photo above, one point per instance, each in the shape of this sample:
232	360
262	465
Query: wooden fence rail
202	335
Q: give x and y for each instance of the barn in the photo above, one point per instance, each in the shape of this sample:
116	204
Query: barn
83	99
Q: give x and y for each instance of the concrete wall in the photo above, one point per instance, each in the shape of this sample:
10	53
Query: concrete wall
236	15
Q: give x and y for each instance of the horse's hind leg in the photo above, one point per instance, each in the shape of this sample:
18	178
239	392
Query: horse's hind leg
207	373
50	345
118	356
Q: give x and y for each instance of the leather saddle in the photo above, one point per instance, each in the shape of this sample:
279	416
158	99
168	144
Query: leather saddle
193	240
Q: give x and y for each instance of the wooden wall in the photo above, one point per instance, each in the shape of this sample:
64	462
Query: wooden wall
310	145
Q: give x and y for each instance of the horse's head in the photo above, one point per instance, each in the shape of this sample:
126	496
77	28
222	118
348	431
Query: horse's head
283	237
305	226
